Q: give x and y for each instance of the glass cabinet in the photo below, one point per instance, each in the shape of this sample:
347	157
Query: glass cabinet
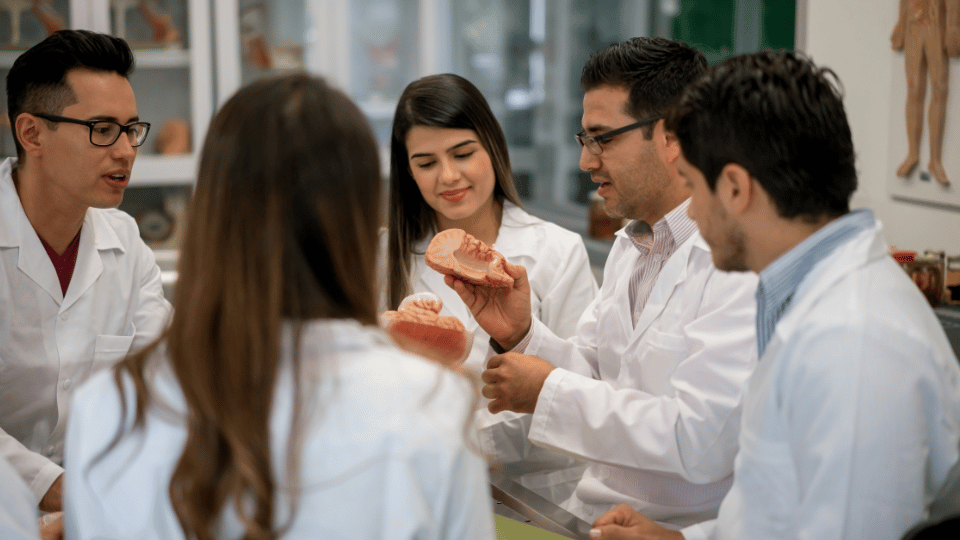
172	81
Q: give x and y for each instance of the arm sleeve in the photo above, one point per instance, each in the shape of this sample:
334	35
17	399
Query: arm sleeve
17	508
872	428
153	311
36	470
690	430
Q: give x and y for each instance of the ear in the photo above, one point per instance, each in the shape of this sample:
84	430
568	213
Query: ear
667	144
735	189
28	133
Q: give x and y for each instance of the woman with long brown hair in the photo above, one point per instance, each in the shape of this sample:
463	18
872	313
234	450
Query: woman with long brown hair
272	407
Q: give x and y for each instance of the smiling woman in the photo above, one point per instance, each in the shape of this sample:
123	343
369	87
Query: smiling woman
449	169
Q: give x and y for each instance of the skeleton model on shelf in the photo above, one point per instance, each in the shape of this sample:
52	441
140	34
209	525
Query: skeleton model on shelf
164	32
927	31
15	8
253	36
49	18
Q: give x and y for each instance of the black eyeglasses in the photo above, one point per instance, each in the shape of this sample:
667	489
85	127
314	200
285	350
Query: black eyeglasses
595	143
106	132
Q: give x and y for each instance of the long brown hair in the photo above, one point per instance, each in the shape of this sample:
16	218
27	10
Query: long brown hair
444	101
279	231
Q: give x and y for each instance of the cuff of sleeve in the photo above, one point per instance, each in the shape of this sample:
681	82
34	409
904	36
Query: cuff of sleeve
699	531
519	348
44	479
541	412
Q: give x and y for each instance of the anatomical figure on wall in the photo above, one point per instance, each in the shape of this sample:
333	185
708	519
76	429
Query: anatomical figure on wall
928	31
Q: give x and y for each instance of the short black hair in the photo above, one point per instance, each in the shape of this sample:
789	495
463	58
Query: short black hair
779	116
654	69
37	80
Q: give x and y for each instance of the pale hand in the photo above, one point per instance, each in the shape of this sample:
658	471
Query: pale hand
625	523
502	312
513	381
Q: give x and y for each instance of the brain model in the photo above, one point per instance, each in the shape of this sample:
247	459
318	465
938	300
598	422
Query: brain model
458	254
418	327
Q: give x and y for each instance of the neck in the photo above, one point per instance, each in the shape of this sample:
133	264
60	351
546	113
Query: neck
483	225
56	224
776	238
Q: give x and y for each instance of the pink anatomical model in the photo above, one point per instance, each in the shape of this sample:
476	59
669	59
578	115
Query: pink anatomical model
417	327
456	253
927	31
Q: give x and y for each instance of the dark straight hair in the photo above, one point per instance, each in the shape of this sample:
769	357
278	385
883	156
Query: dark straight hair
443	101
37	81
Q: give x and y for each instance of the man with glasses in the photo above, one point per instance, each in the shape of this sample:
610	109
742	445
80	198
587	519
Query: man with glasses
649	389
78	287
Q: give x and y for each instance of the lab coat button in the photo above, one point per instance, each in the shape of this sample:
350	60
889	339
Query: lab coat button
588	510
67	383
605	473
49	450
64	316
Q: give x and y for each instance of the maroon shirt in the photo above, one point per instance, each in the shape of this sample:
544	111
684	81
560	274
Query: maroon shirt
64	264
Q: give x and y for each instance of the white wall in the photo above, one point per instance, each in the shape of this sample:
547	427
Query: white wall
853	38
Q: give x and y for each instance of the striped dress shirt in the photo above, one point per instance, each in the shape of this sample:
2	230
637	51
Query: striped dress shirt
655	245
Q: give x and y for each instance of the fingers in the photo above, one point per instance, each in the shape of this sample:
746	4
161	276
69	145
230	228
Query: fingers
617	515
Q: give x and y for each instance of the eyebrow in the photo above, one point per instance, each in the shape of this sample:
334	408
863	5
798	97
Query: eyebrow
597	128
452	148
113	119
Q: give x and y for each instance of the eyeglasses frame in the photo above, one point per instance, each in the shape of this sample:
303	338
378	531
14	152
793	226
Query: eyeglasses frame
583	138
124	129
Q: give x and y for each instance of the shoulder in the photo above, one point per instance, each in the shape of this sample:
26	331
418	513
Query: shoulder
524	234
116	228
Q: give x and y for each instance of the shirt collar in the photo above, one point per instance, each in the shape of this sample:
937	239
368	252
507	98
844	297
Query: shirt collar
676	226
779	281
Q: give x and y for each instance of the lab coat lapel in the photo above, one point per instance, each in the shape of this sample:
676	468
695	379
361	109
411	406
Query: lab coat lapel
89	266
34	261
16	231
673	273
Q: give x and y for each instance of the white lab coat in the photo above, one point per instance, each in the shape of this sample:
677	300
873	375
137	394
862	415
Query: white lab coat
18	509
384	453
561	286
851	421
50	343
655	407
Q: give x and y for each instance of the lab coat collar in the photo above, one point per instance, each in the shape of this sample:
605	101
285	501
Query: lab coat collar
865	248
96	234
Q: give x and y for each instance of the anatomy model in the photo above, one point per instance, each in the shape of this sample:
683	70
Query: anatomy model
928	31
417	326
164	32
456	253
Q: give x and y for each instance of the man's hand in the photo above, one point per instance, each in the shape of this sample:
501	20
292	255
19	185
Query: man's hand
52	500
503	312
625	523
513	381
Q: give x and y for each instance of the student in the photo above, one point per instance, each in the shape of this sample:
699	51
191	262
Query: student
273	406
78	287
649	388
851	422
450	169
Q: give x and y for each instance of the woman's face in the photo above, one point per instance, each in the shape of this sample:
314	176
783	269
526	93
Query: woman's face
453	171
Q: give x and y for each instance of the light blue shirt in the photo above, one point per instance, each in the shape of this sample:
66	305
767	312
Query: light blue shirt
779	281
